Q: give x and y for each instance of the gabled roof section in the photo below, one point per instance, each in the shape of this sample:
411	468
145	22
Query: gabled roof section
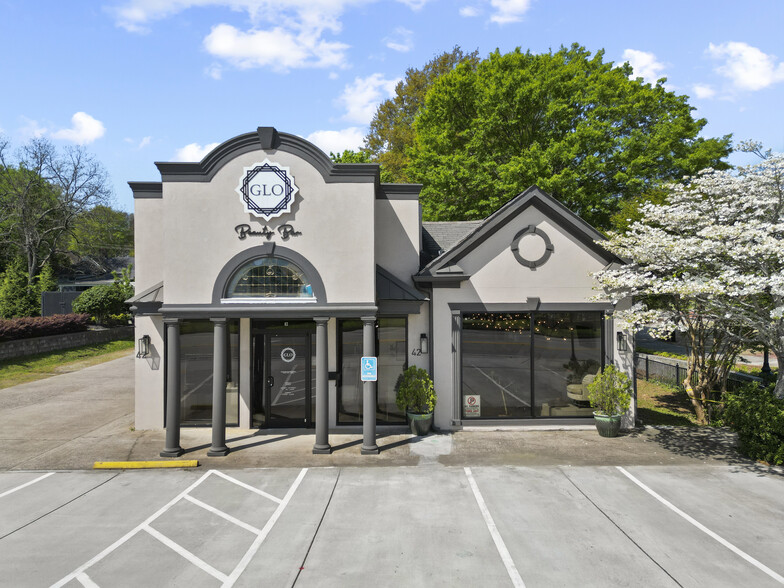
533	196
267	138
439	237
389	287
151	294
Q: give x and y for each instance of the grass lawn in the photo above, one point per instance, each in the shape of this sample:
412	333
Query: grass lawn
37	367
658	404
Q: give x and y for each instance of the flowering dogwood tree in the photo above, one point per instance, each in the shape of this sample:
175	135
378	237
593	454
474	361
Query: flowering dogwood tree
710	262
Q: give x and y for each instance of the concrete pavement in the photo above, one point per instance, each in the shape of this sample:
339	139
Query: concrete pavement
658	507
72	420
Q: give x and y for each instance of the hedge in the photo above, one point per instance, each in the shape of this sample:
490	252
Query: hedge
758	417
40	326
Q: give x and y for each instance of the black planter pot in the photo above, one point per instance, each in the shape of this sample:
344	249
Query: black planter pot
607	425
420	423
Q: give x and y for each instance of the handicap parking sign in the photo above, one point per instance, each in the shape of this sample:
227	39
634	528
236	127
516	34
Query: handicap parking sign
368	369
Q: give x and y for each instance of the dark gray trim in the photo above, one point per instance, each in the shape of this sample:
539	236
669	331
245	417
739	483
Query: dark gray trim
293	311
398	307
145	308
146	189
532	304
268	250
533	196
548	247
399	192
140	297
386	282
446	281
268	139
457	363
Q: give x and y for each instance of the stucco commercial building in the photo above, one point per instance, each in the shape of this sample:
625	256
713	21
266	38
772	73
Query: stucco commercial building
264	272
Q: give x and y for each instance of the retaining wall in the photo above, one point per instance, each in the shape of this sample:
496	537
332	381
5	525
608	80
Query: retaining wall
22	347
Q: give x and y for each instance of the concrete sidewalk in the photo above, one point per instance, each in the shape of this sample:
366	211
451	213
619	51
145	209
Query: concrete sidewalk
72	420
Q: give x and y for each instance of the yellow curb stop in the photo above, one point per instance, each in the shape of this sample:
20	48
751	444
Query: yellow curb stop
138	465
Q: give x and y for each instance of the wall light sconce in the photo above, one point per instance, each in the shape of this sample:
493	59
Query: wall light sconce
144	347
622	344
423	342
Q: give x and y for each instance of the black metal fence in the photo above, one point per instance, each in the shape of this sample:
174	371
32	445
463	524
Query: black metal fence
673	371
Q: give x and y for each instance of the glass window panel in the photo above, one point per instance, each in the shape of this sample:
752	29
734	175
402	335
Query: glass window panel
350	390
269	277
196	345
392	358
567	348
496	365
196	365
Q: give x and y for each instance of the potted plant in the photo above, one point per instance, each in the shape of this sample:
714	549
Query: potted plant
416	396
610	396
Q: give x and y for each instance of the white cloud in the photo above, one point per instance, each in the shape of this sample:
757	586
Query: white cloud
401	40
745	66
507	11
644	65
31	129
703	91
414	4
140	145
84	129
215	71
194	152
338	141
469	11
277	48
363	95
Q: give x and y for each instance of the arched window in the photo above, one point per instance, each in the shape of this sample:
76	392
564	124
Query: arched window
270	278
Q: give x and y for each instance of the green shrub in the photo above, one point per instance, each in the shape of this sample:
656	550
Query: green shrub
101	301
757	415
415	392
610	392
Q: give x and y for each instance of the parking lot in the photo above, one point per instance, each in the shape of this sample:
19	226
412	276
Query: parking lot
430	525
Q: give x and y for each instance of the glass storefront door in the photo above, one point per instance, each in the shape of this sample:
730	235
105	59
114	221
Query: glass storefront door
283	377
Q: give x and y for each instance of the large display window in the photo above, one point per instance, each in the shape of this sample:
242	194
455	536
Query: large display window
392	360
526	365
196	353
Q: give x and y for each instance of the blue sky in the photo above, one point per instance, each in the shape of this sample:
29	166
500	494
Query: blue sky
138	81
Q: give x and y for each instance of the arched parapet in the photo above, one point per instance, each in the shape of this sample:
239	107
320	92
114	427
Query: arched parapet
268	138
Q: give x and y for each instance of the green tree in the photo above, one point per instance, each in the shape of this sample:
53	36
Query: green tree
392	128
361	156
47	281
102	232
17	296
578	127
42	192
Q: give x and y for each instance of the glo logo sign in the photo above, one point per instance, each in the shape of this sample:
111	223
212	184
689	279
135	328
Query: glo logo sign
267	189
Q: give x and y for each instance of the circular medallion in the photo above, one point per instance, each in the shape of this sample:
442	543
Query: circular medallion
532	247
288	355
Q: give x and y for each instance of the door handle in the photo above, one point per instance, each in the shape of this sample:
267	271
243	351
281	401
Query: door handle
270	381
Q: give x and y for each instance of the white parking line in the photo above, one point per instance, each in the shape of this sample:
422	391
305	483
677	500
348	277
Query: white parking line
762	567
130	533
30	483
86	581
511	569
264	532
227	581
223	515
179	549
247	487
